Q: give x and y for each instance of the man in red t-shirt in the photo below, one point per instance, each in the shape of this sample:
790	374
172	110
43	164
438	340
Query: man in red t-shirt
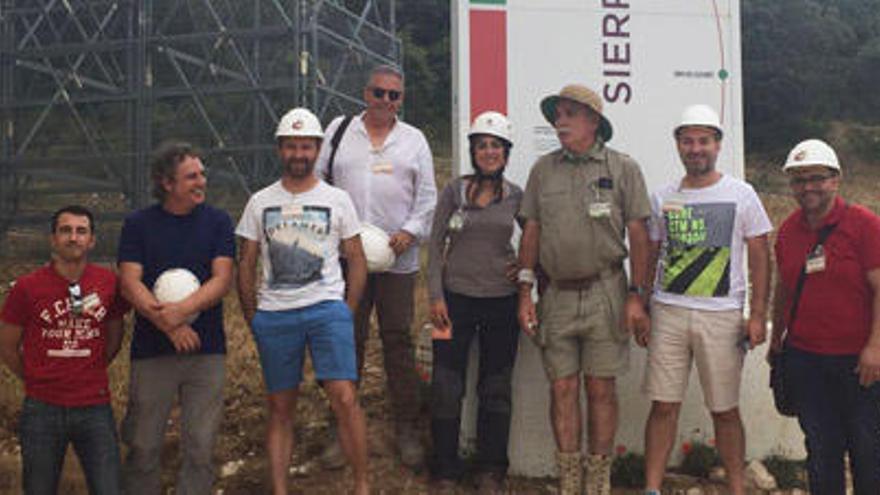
60	327
829	327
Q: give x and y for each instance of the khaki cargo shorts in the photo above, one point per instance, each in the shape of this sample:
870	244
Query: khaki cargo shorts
711	339
582	330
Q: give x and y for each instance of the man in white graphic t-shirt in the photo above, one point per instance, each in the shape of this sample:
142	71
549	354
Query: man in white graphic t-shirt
701	227
297	226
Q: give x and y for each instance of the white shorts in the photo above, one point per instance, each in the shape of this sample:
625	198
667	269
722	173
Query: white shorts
713	339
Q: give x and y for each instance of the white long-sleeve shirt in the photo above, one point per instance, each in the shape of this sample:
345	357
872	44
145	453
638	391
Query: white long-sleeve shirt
392	187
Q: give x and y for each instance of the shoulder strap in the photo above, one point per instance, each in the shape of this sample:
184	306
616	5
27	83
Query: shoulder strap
334	145
462	193
460	202
824	232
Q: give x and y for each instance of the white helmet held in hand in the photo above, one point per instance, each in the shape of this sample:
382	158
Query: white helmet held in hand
492	124
700	116
811	152
175	285
380	256
299	122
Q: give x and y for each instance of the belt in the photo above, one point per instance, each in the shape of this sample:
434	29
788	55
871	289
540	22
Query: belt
586	282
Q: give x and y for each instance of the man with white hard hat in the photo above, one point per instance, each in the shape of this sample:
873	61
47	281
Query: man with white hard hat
701	227
169	355
826	324
296	226
580	203
386	166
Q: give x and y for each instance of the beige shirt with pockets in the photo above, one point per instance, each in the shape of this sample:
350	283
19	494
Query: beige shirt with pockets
583	203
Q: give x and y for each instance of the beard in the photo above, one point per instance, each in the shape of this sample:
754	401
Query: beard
814	201
299	169
699	164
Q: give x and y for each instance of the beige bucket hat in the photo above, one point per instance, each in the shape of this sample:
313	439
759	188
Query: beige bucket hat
580	94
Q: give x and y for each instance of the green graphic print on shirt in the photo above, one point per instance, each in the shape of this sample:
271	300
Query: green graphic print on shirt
696	259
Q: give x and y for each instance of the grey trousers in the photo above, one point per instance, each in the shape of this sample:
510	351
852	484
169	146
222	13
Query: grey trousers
155	385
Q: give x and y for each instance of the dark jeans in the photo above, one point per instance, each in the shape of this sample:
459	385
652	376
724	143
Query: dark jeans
837	416
493	321
45	432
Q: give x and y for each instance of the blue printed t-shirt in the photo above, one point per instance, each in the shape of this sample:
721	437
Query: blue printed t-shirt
159	240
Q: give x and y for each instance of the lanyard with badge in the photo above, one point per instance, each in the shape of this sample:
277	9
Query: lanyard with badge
815	260
600	205
457	221
814	263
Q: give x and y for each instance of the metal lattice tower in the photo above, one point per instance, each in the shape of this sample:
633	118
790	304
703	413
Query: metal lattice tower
89	87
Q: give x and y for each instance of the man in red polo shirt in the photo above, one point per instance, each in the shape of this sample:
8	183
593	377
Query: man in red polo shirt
60	327
832	336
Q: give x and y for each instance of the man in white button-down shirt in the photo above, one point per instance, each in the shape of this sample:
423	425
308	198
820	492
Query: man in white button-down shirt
386	167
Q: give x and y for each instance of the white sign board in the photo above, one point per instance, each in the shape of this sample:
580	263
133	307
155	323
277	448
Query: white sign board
648	60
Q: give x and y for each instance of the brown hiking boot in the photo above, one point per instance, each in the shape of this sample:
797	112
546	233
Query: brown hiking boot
598	475
570	472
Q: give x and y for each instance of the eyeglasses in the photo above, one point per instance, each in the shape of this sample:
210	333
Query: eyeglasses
393	94
809	179
76	299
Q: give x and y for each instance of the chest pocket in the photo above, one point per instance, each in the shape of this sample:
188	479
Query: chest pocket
558	207
605	198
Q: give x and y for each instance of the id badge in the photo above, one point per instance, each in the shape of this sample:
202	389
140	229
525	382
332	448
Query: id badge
672	205
600	210
816	261
383	167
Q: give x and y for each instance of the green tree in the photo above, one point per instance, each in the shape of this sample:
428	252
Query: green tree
424	27
806	63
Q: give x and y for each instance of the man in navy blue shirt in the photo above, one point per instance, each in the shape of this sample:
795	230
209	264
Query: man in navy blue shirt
172	355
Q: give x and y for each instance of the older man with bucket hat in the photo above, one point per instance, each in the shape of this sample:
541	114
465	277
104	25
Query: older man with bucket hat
580	202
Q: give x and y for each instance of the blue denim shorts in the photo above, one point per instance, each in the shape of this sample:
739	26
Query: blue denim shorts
325	328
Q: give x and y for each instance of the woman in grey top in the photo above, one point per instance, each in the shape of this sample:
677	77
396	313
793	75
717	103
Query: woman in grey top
470	265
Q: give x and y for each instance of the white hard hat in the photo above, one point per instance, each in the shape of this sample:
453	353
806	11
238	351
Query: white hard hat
811	152
492	124
380	256
175	285
299	122
700	116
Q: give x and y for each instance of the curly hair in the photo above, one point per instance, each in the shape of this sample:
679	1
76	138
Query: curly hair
166	158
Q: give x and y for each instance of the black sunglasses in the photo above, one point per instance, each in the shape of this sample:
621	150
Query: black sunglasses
393	94
76	299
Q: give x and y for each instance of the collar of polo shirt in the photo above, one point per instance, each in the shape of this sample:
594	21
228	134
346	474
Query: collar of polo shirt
592	153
